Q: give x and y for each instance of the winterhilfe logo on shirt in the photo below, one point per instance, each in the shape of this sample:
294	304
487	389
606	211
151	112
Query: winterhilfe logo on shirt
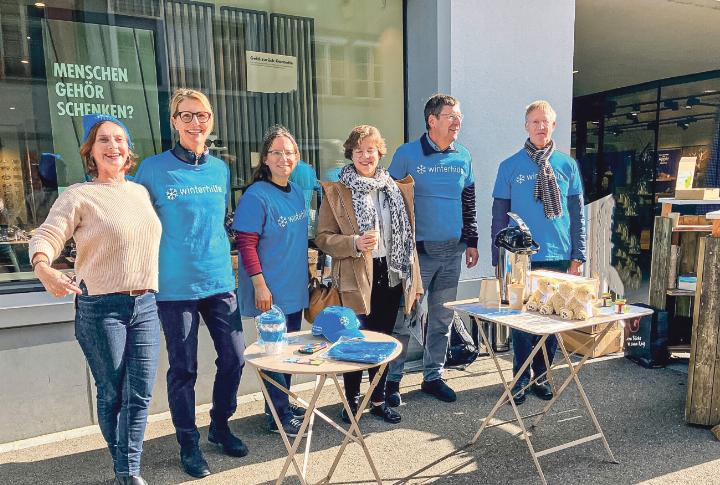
173	193
421	169
298	216
525	178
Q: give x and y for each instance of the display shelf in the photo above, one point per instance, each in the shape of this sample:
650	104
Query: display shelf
692	228
704	347
679	349
673	201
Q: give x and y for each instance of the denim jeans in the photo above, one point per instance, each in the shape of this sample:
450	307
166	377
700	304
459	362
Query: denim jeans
523	342
440	271
181	321
120	337
280	400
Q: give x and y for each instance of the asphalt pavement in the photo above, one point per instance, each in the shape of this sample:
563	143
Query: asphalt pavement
640	410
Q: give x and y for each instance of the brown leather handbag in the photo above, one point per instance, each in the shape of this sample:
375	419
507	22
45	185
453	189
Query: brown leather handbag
321	296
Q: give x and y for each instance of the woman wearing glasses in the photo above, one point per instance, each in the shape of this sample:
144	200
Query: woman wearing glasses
366	224
190	191
271	220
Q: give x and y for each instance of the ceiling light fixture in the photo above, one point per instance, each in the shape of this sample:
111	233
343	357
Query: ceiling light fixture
12	107
39	4
575	71
25	60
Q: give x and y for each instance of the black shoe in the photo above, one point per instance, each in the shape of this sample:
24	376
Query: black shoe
291	428
542	390
231	444
297	411
130	480
519	392
353	407
193	462
439	389
386	413
392	394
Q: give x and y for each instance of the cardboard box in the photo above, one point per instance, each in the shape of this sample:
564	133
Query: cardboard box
697	194
581	342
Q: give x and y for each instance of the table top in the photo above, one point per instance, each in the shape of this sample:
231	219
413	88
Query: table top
713	215
537	324
672	200
276	363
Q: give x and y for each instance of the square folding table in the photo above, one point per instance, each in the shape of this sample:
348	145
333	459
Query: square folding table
543	326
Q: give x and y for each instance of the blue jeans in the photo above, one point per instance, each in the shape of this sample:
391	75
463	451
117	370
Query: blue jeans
180	322
523	342
440	271
120	337
280	400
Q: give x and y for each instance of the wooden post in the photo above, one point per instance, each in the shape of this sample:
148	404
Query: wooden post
703	398
660	266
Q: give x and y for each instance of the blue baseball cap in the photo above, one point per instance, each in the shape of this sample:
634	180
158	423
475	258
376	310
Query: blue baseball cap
335	322
93	119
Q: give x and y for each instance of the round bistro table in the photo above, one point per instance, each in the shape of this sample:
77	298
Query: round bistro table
328	369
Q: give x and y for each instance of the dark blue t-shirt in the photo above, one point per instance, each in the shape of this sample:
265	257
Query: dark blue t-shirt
516	182
280	219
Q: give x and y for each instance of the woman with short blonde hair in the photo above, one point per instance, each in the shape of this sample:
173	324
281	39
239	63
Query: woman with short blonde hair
190	189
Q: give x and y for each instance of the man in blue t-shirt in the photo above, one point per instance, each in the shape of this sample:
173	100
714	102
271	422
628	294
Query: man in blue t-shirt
544	187
445	227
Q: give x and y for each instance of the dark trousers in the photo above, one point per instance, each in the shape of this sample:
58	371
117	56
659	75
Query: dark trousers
384	305
120	337
524	342
280	400
180	321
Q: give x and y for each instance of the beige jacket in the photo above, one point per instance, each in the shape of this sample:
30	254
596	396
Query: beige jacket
337	227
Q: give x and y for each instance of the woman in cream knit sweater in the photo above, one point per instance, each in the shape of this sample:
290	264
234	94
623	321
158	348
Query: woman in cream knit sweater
117	234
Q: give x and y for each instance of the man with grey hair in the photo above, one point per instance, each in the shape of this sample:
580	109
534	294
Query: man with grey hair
544	187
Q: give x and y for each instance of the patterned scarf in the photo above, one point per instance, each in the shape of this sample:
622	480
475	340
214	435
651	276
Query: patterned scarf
402	243
546	186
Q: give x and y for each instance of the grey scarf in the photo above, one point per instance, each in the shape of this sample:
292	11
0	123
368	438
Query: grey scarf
546	186
402	242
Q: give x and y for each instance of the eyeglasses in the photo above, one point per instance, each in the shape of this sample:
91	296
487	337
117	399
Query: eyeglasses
366	153
187	116
452	117
282	154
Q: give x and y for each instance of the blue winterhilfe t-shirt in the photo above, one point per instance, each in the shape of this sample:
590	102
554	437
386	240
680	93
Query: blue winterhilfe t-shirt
280	219
440	178
516	182
191	201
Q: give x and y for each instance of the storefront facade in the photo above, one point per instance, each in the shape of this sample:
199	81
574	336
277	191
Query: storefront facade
318	66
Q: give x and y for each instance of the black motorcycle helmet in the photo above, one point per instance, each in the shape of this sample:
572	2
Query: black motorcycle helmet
516	239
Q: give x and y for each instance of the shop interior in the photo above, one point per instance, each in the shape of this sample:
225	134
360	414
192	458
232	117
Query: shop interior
640	107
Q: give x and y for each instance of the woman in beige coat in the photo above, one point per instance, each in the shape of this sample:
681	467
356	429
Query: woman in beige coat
367	226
